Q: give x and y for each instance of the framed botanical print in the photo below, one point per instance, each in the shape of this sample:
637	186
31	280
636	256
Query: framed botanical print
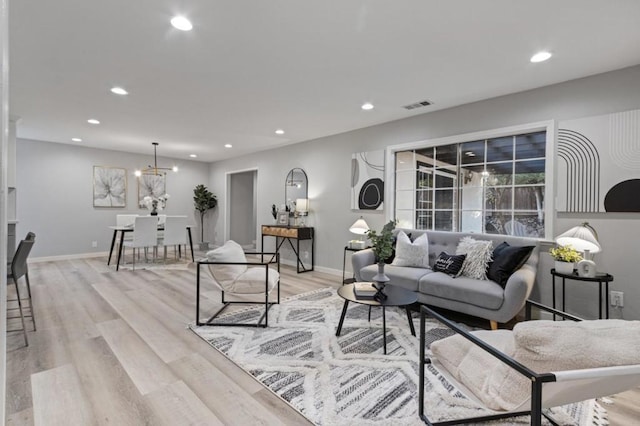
152	186
109	187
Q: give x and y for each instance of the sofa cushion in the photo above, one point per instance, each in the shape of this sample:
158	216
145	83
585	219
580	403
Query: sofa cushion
478	257
398	275
483	293
506	260
450	264
413	254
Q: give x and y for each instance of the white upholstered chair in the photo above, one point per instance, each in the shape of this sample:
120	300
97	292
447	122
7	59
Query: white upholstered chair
538	365
175	234
233	274
145	235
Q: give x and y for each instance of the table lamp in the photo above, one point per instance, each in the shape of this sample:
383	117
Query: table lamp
584	239
360	227
302	209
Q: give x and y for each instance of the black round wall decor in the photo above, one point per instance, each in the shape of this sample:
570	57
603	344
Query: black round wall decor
371	194
623	197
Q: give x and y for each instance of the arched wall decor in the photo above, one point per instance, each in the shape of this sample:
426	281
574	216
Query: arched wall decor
583	171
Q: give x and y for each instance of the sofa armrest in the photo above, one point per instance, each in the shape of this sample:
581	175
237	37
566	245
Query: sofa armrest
517	291
360	259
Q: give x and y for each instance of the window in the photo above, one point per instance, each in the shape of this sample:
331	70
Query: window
494	185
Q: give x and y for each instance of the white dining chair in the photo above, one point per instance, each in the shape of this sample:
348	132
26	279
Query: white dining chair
175	234
145	235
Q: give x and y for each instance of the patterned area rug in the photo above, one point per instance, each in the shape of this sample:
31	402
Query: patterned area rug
348	380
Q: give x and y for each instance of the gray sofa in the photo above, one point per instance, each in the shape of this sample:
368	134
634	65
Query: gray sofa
480	298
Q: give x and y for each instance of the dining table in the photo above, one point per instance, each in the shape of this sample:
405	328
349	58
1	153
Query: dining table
124	229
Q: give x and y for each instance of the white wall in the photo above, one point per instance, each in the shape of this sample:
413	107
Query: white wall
327	163
55	194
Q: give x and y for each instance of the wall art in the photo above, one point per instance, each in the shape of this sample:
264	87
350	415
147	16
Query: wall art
109	187
150	185
367	185
598	167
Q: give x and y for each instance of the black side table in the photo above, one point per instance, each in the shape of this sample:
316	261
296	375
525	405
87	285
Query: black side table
344	264
600	278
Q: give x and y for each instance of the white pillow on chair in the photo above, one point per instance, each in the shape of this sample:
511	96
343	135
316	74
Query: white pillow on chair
225	275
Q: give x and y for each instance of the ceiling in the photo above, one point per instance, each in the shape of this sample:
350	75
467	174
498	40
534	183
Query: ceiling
250	67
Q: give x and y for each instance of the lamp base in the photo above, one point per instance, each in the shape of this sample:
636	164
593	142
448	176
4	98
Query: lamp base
357	244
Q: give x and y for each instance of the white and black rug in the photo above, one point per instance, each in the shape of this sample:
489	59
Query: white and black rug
348	380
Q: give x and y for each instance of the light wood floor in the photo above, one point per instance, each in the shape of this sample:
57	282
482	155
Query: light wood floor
114	348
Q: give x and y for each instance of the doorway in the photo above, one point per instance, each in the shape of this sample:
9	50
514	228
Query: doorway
241	213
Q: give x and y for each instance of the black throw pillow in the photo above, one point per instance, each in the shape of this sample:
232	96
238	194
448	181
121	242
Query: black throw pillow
450	264
508	260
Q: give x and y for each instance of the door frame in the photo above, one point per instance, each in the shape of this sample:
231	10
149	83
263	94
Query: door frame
227	192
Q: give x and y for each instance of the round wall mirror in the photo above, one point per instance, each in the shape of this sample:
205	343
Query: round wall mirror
295	186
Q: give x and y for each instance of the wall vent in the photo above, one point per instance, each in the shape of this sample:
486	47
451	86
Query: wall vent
418	105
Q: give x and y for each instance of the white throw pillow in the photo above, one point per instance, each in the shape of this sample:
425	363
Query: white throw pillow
414	254
225	275
479	255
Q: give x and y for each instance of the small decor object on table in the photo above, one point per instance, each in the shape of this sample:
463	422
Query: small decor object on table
364	290
155	204
382	246
565	257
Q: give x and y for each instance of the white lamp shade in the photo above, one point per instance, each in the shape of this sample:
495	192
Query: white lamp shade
302	205
360	227
581	238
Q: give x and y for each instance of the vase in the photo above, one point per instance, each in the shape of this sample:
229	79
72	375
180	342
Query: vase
380	277
153	212
564	267
586	267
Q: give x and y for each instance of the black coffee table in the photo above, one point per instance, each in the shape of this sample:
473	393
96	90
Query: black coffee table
396	296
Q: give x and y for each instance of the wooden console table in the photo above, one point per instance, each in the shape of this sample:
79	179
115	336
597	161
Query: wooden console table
287	233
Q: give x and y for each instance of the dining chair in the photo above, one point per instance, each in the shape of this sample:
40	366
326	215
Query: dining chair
175	234
18	270
145	235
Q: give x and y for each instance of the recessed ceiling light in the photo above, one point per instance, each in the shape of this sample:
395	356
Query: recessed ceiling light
93	121
181	23
119	91
367	106
279	132
76	139
540	56
228	145
193	156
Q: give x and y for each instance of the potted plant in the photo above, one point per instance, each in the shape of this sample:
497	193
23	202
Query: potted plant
565	257
203	200
382	246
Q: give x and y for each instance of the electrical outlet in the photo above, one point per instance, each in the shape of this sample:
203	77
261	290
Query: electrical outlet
94	244
305	254
617	299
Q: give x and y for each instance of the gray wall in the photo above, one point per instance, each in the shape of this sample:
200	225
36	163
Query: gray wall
327	163
55	189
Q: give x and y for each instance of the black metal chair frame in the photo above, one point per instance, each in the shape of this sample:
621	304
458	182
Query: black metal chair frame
18	268
537	379
275	260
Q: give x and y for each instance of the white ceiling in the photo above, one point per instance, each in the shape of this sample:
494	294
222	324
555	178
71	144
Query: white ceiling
252	66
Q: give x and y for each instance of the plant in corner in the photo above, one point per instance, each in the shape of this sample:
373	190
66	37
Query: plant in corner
382	246
203	201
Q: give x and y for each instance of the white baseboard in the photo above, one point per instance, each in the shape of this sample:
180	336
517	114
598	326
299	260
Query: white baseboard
68	257
322	269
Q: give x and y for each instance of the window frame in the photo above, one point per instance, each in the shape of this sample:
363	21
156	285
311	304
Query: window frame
550	127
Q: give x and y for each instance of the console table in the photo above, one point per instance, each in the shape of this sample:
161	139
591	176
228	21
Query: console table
287	233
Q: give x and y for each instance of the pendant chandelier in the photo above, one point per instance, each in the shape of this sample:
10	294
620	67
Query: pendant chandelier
155	170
